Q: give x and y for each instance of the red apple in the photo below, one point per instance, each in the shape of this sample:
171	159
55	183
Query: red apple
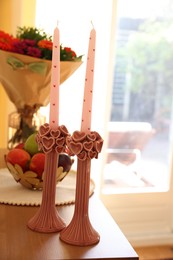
18	156
37	163
19	146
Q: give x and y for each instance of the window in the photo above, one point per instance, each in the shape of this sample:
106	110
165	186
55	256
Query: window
137	174
138	155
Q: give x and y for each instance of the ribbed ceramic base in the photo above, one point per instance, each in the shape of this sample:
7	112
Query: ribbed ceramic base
47	218
80	231
46	222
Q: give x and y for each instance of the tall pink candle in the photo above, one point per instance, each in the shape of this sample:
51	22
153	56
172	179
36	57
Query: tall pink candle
88	91
55	81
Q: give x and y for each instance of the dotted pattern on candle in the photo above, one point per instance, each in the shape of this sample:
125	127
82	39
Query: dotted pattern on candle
55	82
88	91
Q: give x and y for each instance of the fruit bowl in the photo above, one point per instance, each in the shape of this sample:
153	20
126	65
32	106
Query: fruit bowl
30	179
29	170
26	164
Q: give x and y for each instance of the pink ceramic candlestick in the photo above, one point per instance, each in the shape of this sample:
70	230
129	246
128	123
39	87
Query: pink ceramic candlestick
80	231
47	219
86	145
50	138
88	91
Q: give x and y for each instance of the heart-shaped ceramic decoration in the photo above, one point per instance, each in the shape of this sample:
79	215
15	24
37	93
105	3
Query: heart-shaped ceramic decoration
45	150
76	148
98	146
78	136
48	142
59	149
88	145
60	141
82	156
55	133
44	129
92	154
98	137
68	140
64	130
91	137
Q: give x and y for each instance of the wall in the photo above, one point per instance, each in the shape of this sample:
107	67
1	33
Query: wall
13	13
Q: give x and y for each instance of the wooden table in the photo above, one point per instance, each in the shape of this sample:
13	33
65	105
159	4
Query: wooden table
17	242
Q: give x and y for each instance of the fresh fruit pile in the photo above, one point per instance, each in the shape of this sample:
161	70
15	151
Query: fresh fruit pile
26	163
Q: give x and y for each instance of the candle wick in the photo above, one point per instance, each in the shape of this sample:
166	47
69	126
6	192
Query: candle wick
92	24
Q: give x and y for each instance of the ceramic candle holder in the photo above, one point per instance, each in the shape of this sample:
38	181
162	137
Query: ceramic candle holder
80	231
52	142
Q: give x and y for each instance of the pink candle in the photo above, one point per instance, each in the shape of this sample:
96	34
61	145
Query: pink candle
88	91
55	82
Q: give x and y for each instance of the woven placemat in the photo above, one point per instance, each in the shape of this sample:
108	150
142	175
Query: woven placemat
14	193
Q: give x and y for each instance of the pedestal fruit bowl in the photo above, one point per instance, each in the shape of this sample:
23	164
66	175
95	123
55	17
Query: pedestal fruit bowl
26	164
